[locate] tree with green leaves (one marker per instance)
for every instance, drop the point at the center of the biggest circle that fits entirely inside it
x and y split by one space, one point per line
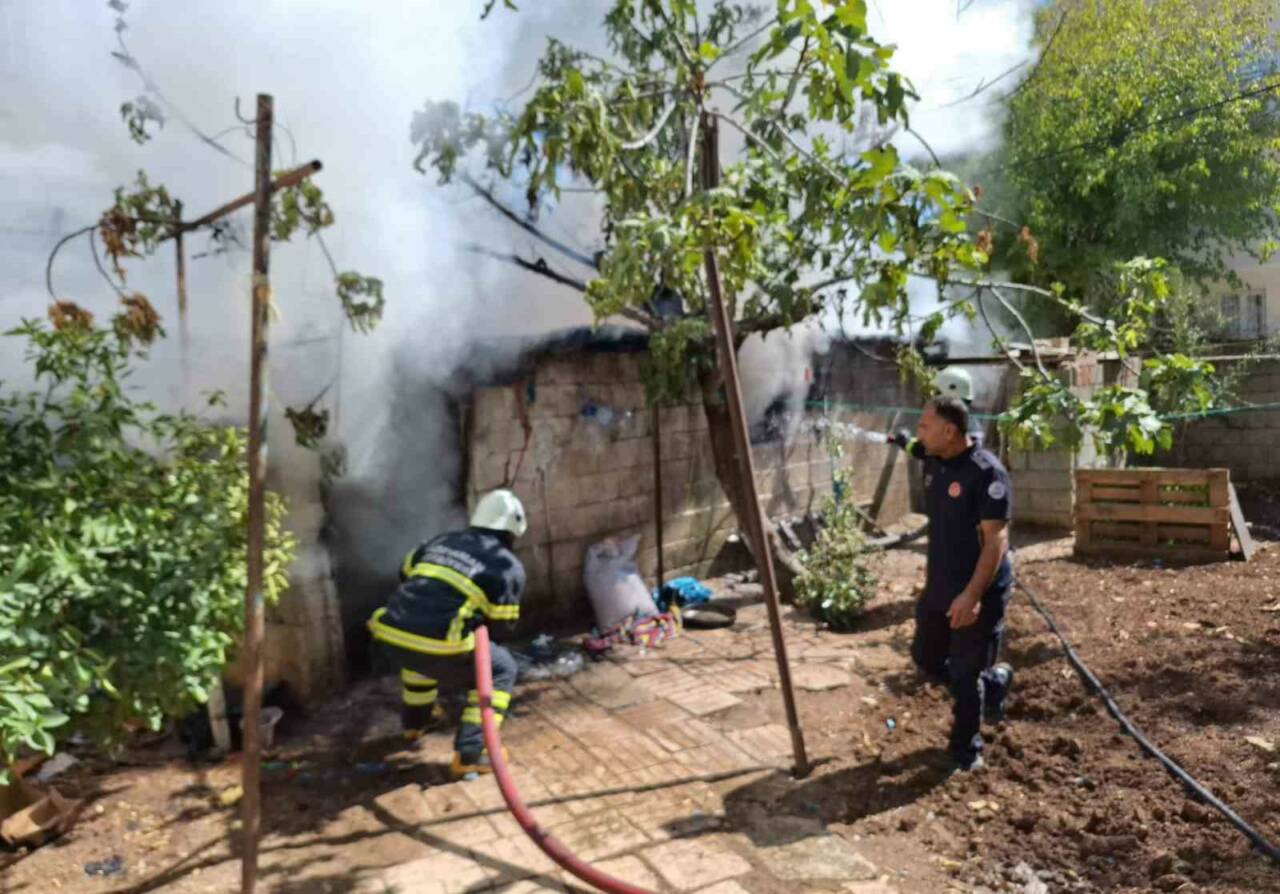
122 541
815 211
1144 129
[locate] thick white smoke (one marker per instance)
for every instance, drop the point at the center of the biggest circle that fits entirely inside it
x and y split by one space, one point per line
346 78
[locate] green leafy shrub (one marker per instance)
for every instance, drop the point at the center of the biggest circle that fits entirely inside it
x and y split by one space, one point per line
122 543
837 581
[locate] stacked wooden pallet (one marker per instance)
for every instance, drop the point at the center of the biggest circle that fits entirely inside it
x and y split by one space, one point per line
1180 515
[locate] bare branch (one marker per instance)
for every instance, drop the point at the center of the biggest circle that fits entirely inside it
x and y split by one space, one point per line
1043 55
746 40
997 218
679 38
983 86
982 310
795 79
653 133
519 221
783 132
937 162
97 262
759 143
1031 339
48 267
539 266
324 248
1035 290
152 87
688 162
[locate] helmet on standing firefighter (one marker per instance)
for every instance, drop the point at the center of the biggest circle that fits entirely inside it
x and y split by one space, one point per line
954 382
500 510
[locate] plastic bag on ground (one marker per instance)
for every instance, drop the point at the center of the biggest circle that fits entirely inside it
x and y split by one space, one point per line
613 582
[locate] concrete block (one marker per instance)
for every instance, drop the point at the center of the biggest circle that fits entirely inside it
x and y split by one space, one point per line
568 524
492 406
567 554
555 400
581 460
488 470
686 525
1041 481
623 395
558 371
1052 502
563 491
1050 460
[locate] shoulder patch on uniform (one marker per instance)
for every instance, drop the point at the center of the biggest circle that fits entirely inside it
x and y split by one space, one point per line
997 490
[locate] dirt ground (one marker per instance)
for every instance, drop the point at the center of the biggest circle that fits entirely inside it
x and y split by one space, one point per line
1067 802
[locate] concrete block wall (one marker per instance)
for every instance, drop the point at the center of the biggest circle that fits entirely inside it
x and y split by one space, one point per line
1244 442
303 639
1044 489
582 481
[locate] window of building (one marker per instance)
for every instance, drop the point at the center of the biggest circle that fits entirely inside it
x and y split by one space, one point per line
1244 316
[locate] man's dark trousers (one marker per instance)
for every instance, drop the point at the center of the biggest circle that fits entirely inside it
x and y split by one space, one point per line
963 658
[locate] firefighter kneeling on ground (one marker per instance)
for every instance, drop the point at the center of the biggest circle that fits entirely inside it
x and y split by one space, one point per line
449 586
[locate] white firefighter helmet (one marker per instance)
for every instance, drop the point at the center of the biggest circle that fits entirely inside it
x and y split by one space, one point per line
500 510
954 382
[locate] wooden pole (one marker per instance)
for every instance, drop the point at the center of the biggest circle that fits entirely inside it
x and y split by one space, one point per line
657 489
742 447
284 181
184 328
253 618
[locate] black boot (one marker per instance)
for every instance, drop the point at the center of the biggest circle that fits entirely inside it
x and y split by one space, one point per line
996 683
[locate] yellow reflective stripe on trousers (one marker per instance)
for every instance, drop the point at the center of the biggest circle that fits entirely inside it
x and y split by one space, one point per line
501 700
468 588
415 678
417 699
412 642
472 716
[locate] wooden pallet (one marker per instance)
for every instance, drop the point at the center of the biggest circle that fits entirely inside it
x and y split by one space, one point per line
1180 515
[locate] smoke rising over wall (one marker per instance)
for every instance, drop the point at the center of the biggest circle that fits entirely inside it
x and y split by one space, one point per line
346 80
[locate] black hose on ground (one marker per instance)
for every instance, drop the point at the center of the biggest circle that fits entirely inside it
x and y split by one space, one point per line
1191 785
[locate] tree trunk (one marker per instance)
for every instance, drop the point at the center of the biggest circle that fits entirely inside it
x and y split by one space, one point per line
786 566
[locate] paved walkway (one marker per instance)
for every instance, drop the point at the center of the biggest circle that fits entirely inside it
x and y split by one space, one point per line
629 764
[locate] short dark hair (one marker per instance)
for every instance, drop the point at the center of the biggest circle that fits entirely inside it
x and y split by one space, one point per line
952 410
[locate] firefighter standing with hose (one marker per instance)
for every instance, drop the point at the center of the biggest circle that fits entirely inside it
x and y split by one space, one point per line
449 586
959 620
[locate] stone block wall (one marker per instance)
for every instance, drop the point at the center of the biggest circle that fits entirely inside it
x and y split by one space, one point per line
1244 442
303 637
576 439
1044 489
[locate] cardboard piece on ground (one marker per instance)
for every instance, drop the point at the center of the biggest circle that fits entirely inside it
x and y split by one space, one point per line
1247 546
29 817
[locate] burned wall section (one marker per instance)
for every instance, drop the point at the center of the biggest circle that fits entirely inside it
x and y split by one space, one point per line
573 436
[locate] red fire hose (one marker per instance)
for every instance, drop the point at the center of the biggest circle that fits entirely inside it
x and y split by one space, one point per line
550 846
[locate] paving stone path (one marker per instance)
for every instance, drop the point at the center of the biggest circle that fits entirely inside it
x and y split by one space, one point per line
628 765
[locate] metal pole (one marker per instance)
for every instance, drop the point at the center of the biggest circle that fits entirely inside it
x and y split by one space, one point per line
742 447
657 489
253 619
